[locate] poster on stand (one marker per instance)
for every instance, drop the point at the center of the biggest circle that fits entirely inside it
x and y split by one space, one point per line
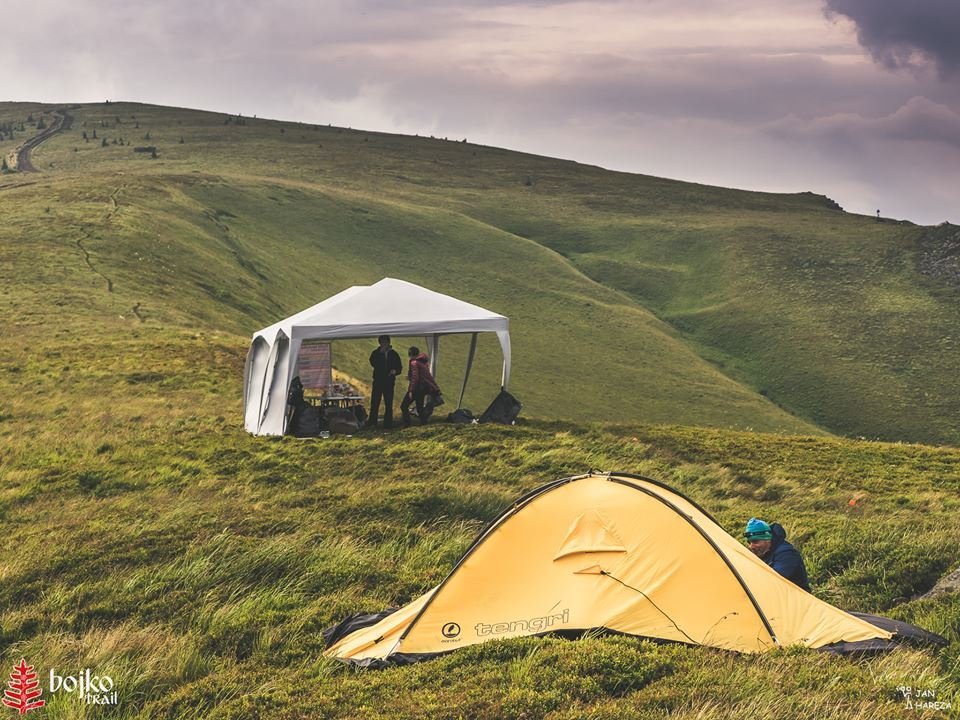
315 368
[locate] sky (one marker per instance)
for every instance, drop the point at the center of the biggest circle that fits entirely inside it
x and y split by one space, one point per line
858 100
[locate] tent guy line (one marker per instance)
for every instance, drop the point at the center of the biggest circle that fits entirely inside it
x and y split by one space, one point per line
650 600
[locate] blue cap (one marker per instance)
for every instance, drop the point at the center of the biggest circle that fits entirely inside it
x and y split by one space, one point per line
758 530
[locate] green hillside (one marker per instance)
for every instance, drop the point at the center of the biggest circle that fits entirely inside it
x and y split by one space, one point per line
713 339
686 303
240 225
144 535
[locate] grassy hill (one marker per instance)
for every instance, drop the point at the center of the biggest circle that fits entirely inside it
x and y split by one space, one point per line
645 299
144 535
243 224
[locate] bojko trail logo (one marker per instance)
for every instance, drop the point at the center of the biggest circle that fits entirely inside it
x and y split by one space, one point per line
93 689
23 689
23 692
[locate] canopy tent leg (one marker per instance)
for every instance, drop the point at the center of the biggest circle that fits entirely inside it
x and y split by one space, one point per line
433 349
466 373
504 337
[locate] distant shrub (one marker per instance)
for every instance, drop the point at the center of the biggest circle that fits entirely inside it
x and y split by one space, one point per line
89 479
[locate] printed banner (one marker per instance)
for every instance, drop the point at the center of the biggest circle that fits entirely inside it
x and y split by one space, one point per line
315 373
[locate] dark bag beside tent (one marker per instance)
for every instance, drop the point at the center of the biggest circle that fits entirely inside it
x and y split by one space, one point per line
295 396
361 414
342 421
504 409
306 420
461 416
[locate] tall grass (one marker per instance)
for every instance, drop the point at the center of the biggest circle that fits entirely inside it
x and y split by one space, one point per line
144 535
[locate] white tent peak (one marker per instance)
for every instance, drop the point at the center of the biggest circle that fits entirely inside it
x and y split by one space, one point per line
387 307
406 307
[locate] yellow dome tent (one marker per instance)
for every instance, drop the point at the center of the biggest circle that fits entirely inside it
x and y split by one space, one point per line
604 551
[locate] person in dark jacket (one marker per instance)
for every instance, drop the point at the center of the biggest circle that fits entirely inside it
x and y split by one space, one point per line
420 383
769 543
386 365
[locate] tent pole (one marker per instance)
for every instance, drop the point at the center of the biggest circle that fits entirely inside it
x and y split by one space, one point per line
433 348
466 373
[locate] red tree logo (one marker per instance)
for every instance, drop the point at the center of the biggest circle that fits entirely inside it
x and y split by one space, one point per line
23 690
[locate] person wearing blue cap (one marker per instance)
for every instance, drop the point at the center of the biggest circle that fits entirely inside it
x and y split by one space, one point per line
769 543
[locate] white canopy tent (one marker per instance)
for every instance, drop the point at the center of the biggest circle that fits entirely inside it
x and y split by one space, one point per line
389 307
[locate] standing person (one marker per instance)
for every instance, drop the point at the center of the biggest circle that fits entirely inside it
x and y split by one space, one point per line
420 383
769 543
386 365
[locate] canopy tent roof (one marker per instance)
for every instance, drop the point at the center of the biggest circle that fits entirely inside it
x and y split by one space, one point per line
615 552
388 307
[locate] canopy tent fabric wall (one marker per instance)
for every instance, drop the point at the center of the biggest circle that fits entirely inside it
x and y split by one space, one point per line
606 551
388 307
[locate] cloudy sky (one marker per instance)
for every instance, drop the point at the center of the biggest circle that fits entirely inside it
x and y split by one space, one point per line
855 99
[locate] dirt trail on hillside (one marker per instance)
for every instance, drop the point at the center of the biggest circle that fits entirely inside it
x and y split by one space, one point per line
62 120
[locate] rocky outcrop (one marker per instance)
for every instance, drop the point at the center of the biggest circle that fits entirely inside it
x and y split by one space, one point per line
938 254
947 585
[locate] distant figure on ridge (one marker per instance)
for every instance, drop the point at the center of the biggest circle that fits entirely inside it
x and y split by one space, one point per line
769 543
421 382
386 365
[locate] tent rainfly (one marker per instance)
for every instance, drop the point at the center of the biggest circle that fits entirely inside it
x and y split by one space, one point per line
389 307
615 552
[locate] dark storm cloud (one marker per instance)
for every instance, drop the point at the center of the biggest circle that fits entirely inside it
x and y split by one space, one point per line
906 33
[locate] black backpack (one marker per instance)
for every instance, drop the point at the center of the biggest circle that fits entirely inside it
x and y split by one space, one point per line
504 409
295 396
461 416
306 420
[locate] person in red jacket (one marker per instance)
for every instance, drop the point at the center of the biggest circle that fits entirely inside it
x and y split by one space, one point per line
420 383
